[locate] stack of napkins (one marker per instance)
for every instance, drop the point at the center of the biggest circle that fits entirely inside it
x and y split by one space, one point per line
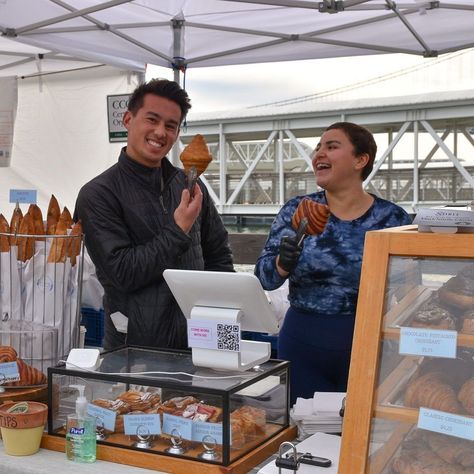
318 414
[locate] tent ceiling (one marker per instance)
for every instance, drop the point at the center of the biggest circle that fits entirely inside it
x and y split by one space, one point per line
22 60
192 33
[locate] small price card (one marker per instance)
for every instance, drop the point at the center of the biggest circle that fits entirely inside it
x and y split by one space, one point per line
446 423
9 372
104 417
202 428
183 426
23 196
132 423
428 342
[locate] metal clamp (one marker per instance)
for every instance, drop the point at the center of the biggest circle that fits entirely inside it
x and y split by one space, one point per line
290 461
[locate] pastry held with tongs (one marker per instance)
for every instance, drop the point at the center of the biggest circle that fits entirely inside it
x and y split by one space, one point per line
316 213
195 158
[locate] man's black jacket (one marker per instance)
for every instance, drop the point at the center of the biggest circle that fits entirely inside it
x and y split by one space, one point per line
127 217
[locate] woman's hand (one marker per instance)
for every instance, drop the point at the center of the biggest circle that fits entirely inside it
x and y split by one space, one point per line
288 257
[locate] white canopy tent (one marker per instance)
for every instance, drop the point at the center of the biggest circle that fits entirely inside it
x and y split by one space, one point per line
22 60
190 33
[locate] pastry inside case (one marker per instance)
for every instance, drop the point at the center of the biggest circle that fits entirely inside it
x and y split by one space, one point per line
159 402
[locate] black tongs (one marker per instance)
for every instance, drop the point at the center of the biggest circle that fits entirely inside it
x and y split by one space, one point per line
301 231
192 180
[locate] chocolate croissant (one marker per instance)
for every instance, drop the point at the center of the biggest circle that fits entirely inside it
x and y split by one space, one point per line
196 154
316 213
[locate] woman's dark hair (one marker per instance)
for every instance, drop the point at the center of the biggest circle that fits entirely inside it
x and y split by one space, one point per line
362 140
162 88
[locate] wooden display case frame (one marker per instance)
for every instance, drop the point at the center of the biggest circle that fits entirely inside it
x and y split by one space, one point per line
369 332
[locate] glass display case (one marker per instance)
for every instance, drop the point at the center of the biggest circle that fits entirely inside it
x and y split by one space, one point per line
157 401
414 346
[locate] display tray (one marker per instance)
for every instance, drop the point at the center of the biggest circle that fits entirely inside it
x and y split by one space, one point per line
31 394
176 465
403 314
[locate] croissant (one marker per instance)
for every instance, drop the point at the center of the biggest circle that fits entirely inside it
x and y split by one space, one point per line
52 216
4 240
15 222
466 396
431 391
7 354
28 374
26 245
316 213
196 154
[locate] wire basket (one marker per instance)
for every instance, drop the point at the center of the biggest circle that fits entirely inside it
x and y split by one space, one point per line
40 285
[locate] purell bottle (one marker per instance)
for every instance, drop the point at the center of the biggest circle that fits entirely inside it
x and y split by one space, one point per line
80 431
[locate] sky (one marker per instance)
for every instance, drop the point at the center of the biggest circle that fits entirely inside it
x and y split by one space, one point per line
231 87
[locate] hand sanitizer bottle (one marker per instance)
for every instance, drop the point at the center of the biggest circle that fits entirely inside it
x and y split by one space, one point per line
80 431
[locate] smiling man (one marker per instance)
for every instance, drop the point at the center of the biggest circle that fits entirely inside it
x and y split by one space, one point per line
139 219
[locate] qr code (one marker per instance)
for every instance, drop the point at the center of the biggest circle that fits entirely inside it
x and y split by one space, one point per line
228 337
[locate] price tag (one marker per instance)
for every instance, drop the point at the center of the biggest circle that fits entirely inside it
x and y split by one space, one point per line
9 372
132 422
184 426
446 423
105 418
23 196
203 428
428 342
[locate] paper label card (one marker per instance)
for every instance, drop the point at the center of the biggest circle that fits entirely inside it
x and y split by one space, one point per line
23 196
146 423
445 216
214 335
202 428
446 423
428 342
184 426
9 372
104 417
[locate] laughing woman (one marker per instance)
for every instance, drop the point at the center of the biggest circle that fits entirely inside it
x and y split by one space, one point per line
324 270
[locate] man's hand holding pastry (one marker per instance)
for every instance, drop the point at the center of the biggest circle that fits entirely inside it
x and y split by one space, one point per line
189 208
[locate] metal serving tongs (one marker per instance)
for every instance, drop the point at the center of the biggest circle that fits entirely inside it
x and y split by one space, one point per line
192 180
301 231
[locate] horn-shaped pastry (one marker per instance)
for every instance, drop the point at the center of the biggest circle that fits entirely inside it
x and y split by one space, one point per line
196 154
316 213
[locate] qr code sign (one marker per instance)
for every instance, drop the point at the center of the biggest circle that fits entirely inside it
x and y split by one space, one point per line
228 337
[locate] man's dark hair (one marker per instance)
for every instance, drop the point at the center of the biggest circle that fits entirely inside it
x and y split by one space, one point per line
162 88
362 140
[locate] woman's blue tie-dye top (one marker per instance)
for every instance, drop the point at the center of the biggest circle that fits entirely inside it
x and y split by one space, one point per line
326 279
